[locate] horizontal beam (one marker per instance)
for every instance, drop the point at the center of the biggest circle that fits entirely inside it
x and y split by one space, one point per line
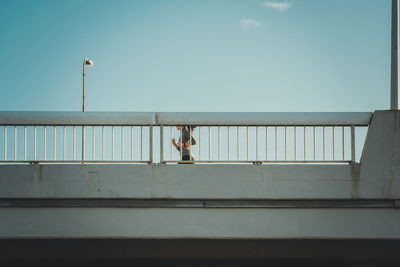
76 118
186 118
221 223
265 118
199 203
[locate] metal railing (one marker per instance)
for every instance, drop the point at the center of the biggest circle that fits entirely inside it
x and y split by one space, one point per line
266 144
68 137
97 137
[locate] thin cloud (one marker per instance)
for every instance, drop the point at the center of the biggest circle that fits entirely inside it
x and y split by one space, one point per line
249 23
281 6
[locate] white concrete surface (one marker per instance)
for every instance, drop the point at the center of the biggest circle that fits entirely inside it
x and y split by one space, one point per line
199 222
185 181
380 160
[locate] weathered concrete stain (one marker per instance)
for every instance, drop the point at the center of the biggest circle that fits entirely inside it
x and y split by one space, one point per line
355 180
37 171
394 175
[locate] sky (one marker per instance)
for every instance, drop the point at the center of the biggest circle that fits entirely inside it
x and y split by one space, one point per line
195 56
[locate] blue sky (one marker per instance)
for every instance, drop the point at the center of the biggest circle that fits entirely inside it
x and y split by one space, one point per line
297 55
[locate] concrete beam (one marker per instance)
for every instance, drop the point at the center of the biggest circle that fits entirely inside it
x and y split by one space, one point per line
234 223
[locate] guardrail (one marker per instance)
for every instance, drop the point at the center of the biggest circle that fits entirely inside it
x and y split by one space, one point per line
115 137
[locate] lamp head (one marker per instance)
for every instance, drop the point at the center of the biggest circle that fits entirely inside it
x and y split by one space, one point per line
88 62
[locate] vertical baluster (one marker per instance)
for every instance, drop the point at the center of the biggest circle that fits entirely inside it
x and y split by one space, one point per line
93 143
285 143
112 142
209 143
83 143
141 143
132 143
199 143
161 144
314 143
295 142
102 142
276 143
44 143
73 142
54 142
170 142
190 142
219 148
5 142
256 143
180 145
151 144
343 143
122 143
237 143
64 143
34 143
24 143
15 143
304 143
323 143
266 143
247 143
228 144
333 142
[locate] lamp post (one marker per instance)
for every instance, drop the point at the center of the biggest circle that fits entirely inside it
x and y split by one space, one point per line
394 82
87 62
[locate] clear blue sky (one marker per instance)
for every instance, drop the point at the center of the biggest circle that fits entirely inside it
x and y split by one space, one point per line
295 55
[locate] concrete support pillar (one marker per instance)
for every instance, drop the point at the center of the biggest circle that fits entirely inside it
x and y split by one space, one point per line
380 160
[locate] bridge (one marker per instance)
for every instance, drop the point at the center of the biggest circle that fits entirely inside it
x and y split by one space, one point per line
110 185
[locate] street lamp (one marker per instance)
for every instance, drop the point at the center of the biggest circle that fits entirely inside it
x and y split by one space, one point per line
87 62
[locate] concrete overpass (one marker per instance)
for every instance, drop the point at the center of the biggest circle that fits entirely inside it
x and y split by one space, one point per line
305 209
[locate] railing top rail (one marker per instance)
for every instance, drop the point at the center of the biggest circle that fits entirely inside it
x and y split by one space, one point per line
186 118
76 118
265 118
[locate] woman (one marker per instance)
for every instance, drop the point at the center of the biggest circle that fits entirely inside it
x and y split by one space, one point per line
186 140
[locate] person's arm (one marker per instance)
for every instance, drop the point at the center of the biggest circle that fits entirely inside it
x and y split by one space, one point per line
174 143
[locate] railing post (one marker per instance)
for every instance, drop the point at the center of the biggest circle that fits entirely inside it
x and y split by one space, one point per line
5 142
83 143
161 144
151 144
353 145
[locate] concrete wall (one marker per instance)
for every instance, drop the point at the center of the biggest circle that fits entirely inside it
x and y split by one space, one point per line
183 181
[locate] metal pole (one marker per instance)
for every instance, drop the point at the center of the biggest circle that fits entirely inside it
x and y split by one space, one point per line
83 110
353 144
394 86
83 87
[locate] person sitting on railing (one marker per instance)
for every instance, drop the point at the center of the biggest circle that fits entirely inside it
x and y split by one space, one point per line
186 140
